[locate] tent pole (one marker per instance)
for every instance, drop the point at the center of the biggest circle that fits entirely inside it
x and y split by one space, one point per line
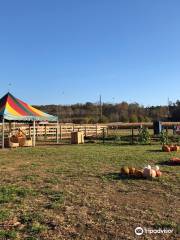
57 133
3 133
34 133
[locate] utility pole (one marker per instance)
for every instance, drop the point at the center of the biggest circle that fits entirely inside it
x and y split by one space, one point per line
57 111
168 108
100 105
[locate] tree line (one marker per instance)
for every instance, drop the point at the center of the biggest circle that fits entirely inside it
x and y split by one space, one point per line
108 112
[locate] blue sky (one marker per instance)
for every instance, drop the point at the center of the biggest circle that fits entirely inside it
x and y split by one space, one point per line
69 51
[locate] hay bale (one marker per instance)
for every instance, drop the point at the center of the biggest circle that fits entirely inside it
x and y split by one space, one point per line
28 143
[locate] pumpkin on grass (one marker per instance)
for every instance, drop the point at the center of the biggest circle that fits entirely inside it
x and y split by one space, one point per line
125 170
176 148
166 148
132 170
158 173
138 173
175 160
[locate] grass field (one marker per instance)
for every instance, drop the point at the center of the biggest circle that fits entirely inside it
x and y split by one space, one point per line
75 192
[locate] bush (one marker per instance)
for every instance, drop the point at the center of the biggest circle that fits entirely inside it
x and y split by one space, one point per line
164 137
144 136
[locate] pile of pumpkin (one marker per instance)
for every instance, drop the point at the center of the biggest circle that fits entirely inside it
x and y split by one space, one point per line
170 148
148 172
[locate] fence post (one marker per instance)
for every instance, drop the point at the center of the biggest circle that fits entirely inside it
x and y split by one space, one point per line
60 132
96 130
107 130
132 136
103 135
57 133
85 131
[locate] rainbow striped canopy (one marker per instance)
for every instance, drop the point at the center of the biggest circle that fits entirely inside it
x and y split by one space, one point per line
12 108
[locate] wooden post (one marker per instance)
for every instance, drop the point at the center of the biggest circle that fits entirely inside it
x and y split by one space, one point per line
107 129
45 131
60 132
57 133
34 133
85 131
96 130
132 136
3 133
103 135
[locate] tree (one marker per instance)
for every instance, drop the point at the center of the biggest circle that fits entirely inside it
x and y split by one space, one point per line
133 118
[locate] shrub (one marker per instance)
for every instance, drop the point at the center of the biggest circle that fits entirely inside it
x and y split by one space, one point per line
164 137
144 136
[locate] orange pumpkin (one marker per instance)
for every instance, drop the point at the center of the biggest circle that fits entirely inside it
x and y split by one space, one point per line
175 160
166 148
138 173
172 148
158 173
132 170
176 148
125 170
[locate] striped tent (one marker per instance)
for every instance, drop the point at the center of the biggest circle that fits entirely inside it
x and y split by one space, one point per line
12 108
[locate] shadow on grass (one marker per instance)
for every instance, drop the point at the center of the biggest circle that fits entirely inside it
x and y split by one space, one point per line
118 176
118 144
154 150
168 163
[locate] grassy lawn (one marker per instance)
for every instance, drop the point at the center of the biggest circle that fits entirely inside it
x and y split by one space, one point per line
75 192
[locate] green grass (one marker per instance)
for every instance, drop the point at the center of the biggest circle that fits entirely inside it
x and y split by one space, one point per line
76 192
8 234
13 193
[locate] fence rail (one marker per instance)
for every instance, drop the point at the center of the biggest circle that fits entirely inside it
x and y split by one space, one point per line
140 124
63 131
51 131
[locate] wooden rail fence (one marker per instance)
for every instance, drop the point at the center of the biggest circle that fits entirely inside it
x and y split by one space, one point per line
63 131
54 131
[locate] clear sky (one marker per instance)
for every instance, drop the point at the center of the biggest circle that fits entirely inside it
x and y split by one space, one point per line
69 51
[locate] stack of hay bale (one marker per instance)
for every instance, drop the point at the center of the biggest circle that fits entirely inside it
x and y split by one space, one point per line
17 140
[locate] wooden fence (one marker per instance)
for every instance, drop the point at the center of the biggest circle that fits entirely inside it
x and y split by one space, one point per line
63 131
142 124
54 131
